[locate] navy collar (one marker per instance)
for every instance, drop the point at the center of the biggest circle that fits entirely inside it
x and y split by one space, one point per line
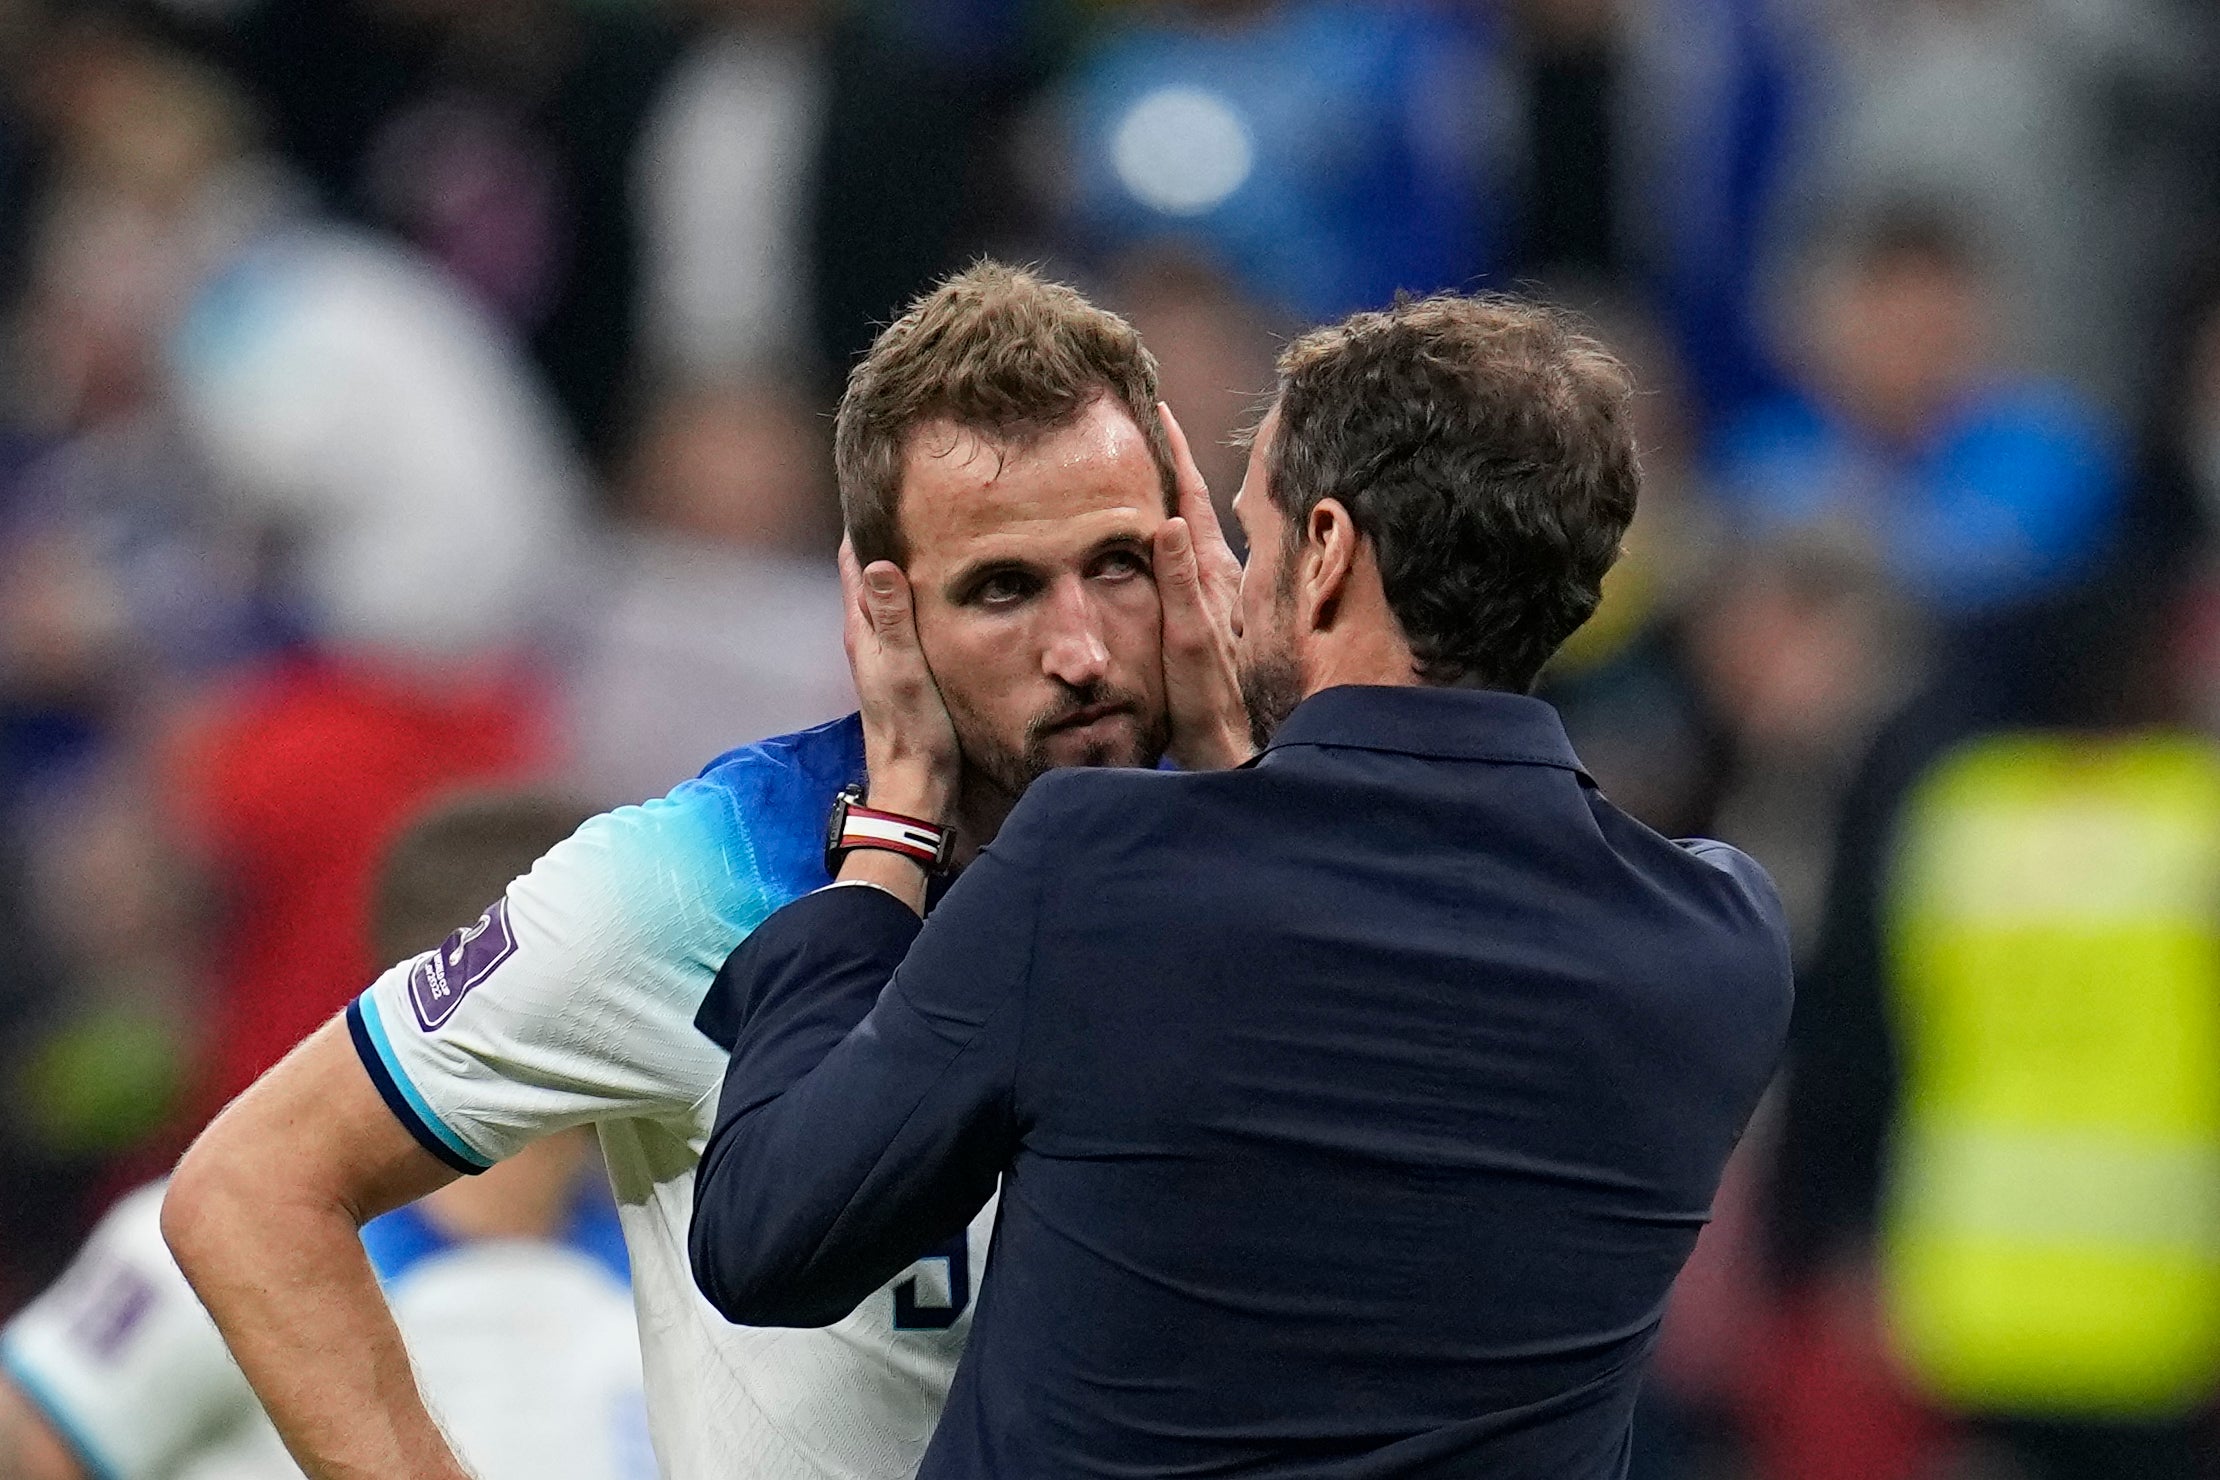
1447 724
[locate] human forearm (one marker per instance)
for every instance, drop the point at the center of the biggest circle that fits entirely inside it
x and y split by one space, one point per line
910 793
810 1202
264 1216
300 1307
836 1160
791 994
29 1447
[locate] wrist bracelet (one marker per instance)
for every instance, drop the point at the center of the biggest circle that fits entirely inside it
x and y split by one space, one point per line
854 825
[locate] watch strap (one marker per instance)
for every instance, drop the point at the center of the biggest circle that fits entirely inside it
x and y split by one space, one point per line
858 826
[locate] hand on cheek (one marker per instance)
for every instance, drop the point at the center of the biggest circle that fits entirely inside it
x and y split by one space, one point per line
909 743
1199 582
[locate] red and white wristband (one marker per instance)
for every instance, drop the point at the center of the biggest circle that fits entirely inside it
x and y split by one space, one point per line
853 825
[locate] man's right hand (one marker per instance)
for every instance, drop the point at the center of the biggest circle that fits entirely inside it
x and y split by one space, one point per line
265 1217
1198 579
909 742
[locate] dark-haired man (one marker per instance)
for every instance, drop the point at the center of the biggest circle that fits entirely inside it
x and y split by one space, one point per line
1002 443
1353 1110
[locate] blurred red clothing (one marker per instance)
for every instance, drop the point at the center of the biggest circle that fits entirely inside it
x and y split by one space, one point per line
291 784
1828 1401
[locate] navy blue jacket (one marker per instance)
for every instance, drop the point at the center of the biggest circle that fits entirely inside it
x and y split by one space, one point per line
1353 1110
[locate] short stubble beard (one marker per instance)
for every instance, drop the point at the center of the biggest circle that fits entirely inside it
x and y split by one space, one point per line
996 775
1271 681
1271 687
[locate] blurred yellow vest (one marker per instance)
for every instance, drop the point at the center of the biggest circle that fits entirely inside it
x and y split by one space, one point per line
2051 1229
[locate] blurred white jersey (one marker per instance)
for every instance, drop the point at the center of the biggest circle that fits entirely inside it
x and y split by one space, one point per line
525 1351
572 1001
355 403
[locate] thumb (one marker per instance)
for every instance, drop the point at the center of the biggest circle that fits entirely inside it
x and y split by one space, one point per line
1188 629
1178 577
887 596
1175 552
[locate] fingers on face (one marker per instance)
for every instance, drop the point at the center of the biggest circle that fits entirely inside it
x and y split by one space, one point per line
855 608
887 595
1184 471
1179 587
852 584
1175 556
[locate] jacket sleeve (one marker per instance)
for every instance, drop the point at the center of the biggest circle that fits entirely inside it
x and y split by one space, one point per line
866 1114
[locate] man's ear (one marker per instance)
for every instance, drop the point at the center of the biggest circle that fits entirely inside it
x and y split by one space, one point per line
1329 557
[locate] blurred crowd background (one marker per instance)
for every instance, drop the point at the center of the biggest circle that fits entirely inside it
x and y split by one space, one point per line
401 395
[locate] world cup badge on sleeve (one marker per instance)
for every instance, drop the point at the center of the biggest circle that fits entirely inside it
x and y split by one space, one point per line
440 979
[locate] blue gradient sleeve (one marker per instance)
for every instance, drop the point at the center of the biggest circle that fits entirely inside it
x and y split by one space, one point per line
572 999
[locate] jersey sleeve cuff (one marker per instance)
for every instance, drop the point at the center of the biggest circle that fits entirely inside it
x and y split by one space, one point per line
367 1028
49 1406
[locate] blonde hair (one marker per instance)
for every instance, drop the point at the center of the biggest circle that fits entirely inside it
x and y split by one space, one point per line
999 351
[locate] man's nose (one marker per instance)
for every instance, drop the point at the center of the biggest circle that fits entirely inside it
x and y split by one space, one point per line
1074 650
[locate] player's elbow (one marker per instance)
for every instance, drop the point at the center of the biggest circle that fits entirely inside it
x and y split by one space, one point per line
771 1301
725 1274
207 1210
238 1192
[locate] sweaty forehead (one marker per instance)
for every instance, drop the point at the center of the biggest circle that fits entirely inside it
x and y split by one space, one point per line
964 494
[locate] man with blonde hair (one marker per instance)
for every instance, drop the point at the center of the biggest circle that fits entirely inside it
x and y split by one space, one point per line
1006 471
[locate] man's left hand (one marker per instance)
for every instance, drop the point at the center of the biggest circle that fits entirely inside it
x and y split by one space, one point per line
1198 580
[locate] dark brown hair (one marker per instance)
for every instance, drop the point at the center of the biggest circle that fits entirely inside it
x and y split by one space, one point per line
996 350
455 860
1480 443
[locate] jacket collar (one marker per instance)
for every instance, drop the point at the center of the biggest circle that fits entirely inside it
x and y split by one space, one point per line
1447 724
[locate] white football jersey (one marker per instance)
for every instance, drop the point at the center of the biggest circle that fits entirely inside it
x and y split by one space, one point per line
526 1351
572 1001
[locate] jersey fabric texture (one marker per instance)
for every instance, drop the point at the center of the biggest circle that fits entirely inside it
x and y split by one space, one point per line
526 1351
572 1001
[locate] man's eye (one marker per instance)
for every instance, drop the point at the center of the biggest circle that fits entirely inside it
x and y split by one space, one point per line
1001 590
1121 565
